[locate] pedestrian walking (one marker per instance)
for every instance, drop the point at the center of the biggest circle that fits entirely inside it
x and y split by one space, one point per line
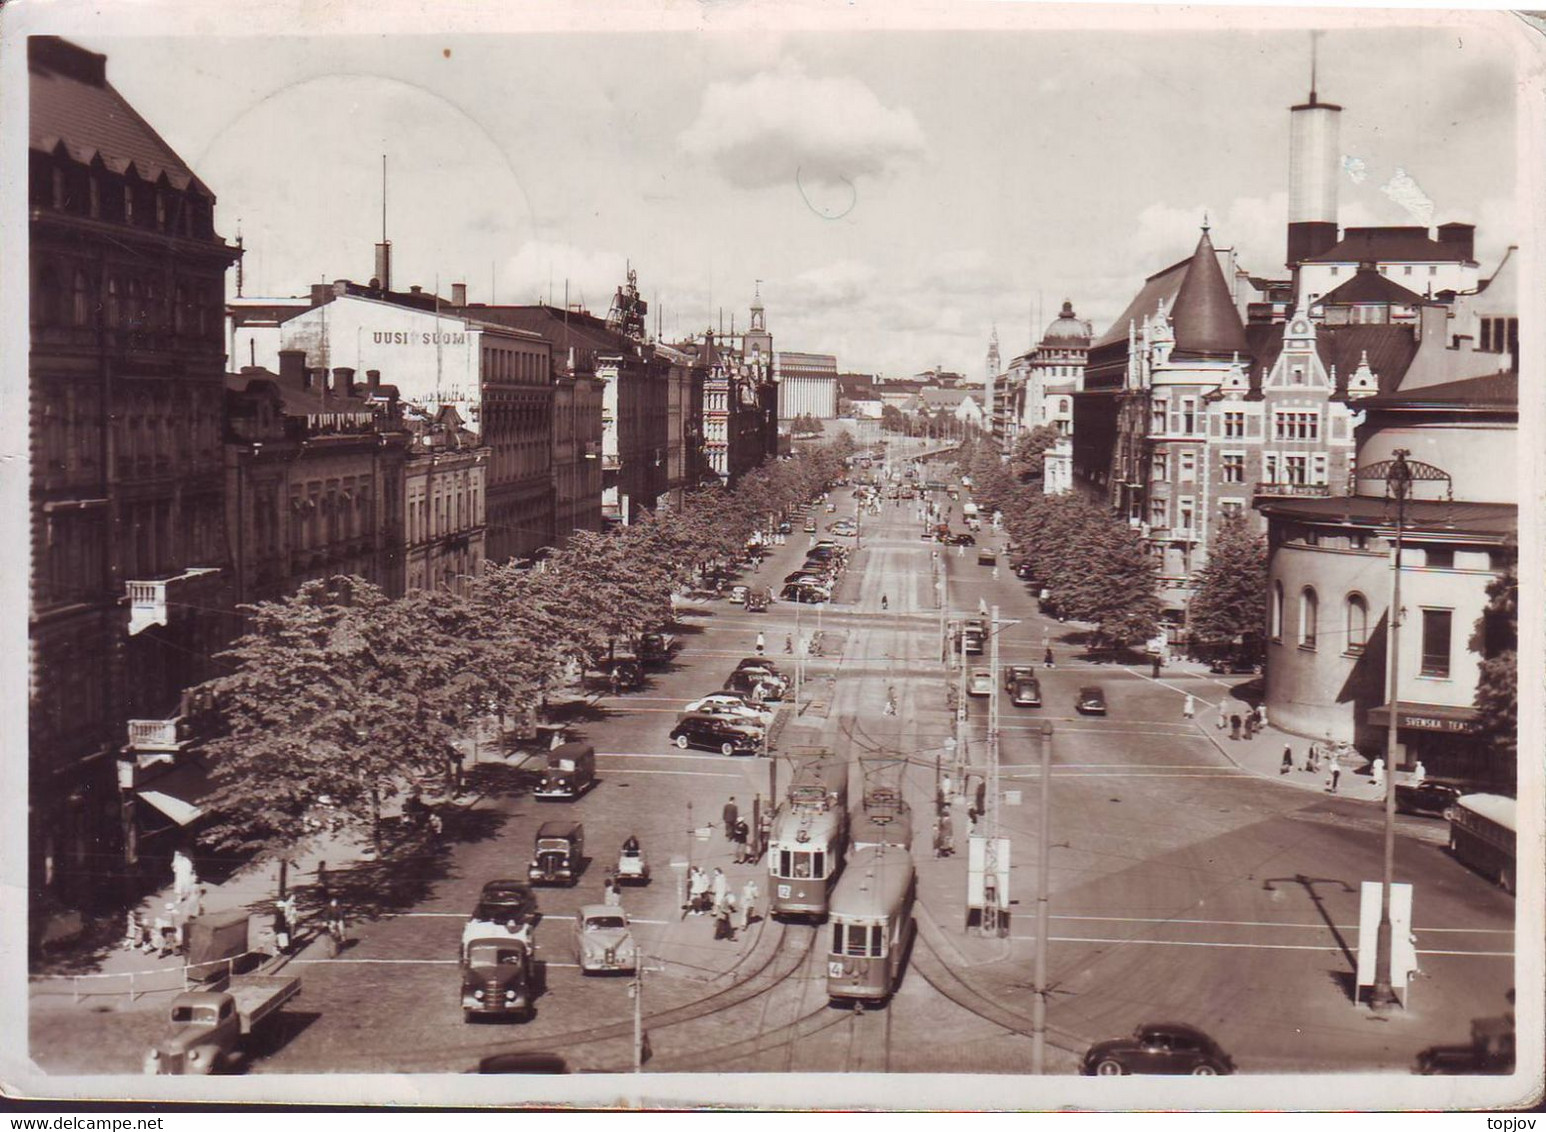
1261 717
1312 758
743 847
1234 727
1419 772
1336 774
324 894
1156 668
133 931
183 876
764 833
1377 773
1288 759
1223 718
1189 708
788 643
1047 659
719 887
1250 724
611 894
761 644
947 835
724 928
697 891
890 700
749 897
730 815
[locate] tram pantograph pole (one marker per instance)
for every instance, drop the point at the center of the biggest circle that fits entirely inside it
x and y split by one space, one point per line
1043 910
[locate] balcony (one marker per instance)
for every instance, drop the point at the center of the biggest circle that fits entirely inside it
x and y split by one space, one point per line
611 462
1294 490
148 599
156 736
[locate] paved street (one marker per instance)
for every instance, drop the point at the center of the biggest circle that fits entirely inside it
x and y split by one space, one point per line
1183 886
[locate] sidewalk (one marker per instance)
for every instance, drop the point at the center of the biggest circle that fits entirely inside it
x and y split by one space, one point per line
1261 755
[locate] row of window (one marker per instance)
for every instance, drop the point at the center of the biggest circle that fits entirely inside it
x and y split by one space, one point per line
1437 628
1277 467
101 195
135 303
514 365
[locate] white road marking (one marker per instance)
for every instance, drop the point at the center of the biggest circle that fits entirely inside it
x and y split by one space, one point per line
652 755
1252 946
1134 774
1261 923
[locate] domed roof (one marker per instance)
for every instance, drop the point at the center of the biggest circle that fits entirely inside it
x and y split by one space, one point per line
1066 329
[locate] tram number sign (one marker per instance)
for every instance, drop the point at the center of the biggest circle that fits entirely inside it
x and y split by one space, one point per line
783 891
835 969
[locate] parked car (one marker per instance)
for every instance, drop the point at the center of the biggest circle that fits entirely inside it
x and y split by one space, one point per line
1158 1047
658 648
758 601
759 662
986 557
625 671
1015 673
784 528
603 941
1026 693
1091 700
717 733
804 595
809 526
726 704
980 683
749 680
559 853
570 772
960 538
737 595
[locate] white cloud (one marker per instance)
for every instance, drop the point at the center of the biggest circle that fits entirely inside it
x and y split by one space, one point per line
783 124
591 276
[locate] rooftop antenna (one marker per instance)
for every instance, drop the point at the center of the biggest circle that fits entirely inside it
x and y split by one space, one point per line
1314 39
383 198
238 258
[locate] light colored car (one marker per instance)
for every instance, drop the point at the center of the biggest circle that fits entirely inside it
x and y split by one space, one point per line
980 683
603 940
722 703
737 595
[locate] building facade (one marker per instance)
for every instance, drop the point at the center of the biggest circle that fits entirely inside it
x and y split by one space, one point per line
445 485
1330 574
577 404
313 478
499 378
126 390
807 385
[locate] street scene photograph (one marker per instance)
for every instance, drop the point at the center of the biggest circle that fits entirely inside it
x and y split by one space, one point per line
704 558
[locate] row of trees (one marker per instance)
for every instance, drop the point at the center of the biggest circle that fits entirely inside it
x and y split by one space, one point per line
340 698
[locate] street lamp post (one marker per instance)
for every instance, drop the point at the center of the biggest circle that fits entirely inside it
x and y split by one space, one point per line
1398 474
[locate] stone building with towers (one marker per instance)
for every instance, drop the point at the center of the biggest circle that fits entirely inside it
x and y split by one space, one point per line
1217 391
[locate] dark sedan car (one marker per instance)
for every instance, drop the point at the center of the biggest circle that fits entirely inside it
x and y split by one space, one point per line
716 733
960 538
1026 693
1433 795
504 900
1158 1047
1091 701
802 595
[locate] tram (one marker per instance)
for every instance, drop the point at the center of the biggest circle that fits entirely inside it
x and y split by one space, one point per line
883 818
870 927
810 831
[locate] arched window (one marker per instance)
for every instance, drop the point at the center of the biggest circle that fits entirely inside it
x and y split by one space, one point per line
1357 623
1277 611
1309 614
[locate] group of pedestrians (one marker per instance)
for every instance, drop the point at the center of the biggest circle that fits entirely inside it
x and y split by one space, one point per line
710 895
166 931
1255 720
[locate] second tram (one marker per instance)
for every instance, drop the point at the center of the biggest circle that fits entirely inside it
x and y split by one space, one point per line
870 927
883 818
1482 833
810 831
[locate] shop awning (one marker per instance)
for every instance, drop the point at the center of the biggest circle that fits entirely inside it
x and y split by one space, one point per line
1444 718
178 792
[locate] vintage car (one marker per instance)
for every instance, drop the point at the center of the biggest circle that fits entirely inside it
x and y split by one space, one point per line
559 853
504 902
1026 692
980 683
751 680
1433 796
737 595
1014 673
718 733
208 1030
731 704
498 977
632 865
625 672
758 600
1091 700
570 772
802 594
603 941
987 557
1158 1047
809 526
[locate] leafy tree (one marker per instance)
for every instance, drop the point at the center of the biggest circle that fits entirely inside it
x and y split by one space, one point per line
1030 447
1230 599
1496 638
892 419
339 698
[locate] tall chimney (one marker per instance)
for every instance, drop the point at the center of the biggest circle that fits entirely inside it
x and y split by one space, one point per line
1462 237
384 264
372 381
1314 159
292 367
316 380
321 293
458 294
343 381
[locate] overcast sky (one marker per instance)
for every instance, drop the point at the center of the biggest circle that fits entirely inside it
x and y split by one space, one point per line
898 193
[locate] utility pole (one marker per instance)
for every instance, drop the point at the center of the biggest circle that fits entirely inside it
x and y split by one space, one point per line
637 993
990 819
1043 916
